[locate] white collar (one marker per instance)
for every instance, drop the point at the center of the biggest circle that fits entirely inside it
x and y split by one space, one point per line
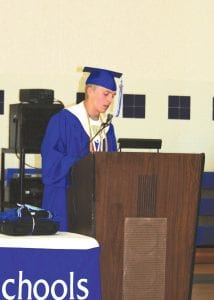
80 112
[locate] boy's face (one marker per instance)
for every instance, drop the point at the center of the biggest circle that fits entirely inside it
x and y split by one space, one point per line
101 98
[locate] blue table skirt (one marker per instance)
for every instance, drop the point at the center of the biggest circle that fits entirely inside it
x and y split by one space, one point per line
28 273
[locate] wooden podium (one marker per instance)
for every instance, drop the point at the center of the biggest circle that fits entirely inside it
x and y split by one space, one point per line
109 187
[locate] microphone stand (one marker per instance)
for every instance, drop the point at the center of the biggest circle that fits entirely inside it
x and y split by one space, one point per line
103 126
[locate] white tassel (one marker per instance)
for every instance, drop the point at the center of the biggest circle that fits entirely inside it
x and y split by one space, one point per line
120 99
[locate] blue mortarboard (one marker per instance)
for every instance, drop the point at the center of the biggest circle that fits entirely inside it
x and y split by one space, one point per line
102 77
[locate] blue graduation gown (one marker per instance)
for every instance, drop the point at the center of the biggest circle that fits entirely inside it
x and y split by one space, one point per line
65 142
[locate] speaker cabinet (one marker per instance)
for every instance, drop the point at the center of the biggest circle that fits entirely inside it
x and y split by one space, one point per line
27 125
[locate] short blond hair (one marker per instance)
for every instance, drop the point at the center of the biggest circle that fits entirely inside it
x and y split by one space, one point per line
93 86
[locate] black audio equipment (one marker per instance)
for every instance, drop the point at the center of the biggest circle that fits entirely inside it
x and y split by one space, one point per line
27 125
80 97
42 96
1 102
32 191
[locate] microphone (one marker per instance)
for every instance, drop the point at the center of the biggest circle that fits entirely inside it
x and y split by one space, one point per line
103 125
109 118
107 122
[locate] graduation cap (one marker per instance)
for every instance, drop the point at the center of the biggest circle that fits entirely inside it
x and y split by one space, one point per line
102 77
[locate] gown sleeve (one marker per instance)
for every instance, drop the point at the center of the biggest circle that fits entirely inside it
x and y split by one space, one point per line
62 147
112 143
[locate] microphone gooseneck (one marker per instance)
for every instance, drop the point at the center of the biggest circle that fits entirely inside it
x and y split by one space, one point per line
103 125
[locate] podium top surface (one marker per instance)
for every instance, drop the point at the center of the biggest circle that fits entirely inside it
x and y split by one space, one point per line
60 240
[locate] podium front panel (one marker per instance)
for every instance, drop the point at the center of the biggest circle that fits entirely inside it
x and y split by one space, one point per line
114 186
